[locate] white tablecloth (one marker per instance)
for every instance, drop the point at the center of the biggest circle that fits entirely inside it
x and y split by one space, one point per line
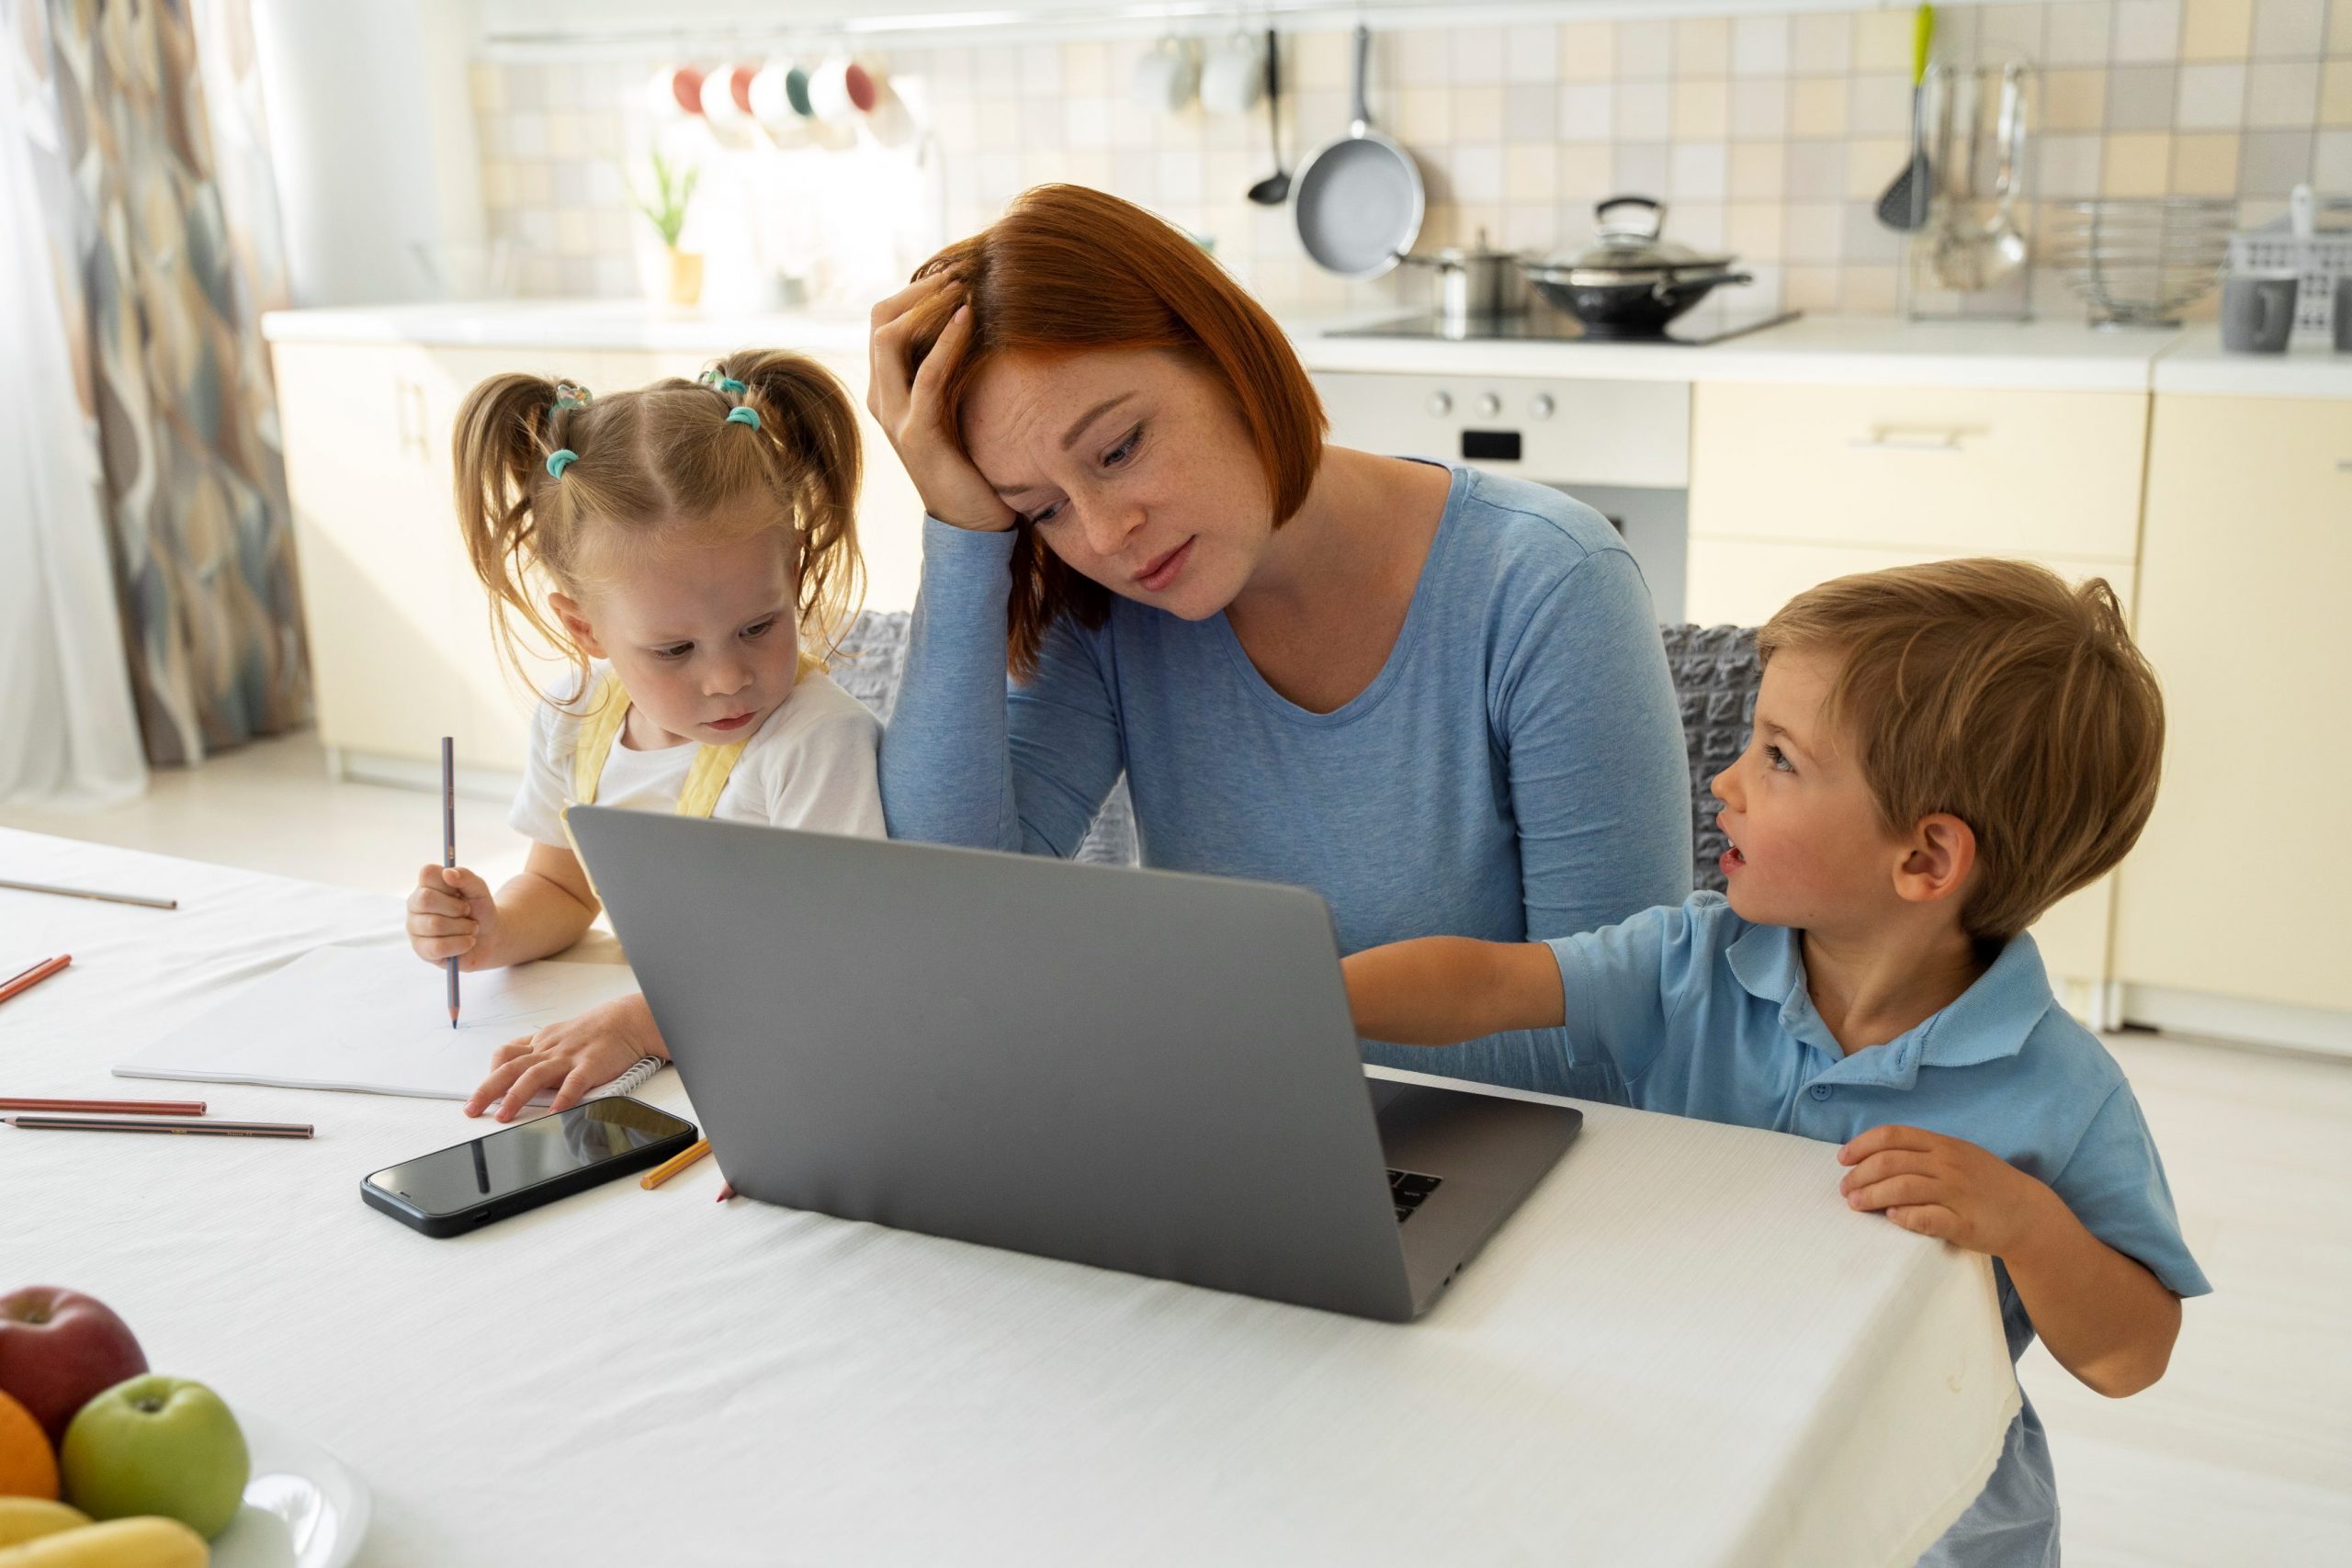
1684 1349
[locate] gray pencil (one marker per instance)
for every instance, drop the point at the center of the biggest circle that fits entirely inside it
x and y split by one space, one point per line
450 845
138 899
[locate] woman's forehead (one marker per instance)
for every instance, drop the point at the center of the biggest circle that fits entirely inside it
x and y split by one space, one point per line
1018 389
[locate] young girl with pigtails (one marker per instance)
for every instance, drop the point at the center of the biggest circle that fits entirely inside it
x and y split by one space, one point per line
695 542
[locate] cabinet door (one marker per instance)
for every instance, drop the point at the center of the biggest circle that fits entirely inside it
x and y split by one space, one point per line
365 471
1968 471
2243 572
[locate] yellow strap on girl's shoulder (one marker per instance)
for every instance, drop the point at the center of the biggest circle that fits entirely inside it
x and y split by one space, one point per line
707 777
599 728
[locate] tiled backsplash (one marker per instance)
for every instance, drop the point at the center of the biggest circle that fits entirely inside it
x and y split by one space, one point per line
1770 136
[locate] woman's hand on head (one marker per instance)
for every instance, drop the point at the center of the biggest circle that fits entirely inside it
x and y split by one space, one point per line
570 1057
907 406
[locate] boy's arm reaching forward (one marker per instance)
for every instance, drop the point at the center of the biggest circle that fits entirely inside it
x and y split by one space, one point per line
2106 1317
1441 990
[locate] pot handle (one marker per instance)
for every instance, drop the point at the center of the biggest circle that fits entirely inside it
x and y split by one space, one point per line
1656 219
1699 282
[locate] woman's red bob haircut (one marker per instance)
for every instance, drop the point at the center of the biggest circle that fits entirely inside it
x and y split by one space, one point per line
1068 269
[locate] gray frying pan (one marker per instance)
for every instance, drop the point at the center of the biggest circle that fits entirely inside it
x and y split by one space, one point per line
1357 201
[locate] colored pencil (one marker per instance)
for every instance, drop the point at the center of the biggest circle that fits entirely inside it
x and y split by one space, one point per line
136 1124
674 1164
139 898
24 980
109 1107
450 845
726 1190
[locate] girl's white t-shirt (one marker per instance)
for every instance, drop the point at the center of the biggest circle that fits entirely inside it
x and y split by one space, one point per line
810 765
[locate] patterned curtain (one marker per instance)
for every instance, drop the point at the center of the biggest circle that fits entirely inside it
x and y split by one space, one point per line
162 318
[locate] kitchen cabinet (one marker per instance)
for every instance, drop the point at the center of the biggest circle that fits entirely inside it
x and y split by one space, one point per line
1793 485
2245 561
402 645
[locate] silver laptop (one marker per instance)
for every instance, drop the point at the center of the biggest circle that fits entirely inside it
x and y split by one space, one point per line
1137 1070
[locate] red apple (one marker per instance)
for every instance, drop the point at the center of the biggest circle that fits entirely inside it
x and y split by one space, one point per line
58 1349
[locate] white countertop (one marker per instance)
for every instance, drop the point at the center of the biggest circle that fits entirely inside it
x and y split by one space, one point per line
568 324
2199 364
1875 351
1848 351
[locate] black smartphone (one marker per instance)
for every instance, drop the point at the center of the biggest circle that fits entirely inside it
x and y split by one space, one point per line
466 1185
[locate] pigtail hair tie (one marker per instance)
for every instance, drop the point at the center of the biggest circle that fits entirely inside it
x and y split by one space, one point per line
724 382
744 415
560 459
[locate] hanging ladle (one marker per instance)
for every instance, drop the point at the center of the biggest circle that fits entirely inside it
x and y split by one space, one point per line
1274 189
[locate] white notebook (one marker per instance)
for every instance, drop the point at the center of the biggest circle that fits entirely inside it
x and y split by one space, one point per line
376 1021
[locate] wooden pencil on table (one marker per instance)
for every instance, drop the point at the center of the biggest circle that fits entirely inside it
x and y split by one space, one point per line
24 980
106 1107
140 1124
450 845
674 1164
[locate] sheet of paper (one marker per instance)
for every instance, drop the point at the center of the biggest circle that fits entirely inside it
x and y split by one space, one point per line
373 1019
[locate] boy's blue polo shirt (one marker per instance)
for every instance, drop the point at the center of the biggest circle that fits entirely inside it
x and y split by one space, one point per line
1707 1015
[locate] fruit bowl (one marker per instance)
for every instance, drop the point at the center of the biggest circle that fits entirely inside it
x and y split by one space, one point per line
304 1507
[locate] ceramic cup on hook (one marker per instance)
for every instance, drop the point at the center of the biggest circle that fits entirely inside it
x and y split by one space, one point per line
1233 77
832 101
674 94
1166 78
829 97
785 126
726 99
888 120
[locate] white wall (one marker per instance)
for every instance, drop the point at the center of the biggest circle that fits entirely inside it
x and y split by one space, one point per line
372 136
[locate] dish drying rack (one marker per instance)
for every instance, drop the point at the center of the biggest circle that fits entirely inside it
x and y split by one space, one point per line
2303 242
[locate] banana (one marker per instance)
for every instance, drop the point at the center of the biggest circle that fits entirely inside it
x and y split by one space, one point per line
26 1518
148 1541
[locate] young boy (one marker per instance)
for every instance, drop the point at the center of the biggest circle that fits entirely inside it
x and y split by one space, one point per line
1940 752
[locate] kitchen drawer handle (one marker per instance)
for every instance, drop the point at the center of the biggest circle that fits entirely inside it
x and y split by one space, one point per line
1890 438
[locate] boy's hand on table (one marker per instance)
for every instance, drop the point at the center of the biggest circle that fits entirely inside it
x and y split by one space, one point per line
570 1057
451 914
1945 1187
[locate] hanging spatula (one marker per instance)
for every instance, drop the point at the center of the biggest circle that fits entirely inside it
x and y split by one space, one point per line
1903 207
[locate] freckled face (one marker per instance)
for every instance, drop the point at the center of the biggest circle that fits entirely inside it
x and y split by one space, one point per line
1133 467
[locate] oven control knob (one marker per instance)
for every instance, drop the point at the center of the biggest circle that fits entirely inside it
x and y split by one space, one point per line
1440 403
1490 405
1541 405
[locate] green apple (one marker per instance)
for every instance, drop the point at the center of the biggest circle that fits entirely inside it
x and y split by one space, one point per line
156 1445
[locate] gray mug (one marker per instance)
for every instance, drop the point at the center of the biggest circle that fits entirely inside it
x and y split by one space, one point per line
2344 314
2258 311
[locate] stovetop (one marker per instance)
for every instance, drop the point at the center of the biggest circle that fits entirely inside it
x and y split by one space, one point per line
1547 325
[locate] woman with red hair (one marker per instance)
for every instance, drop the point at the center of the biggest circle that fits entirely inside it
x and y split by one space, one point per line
1434 696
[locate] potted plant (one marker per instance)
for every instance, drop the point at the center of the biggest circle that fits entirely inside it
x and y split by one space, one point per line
666 208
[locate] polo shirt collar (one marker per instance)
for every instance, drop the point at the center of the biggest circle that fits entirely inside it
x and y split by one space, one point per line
1988 1020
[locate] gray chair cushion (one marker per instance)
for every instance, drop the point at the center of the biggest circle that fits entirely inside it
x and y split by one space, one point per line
1714 670
1715 673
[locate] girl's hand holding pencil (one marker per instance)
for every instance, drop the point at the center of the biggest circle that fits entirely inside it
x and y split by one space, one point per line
570 1057
451 914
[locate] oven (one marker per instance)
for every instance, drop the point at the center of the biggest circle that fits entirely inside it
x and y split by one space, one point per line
1620 446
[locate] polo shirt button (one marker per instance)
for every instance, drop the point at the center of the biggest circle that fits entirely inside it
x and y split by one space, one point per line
1821 1092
